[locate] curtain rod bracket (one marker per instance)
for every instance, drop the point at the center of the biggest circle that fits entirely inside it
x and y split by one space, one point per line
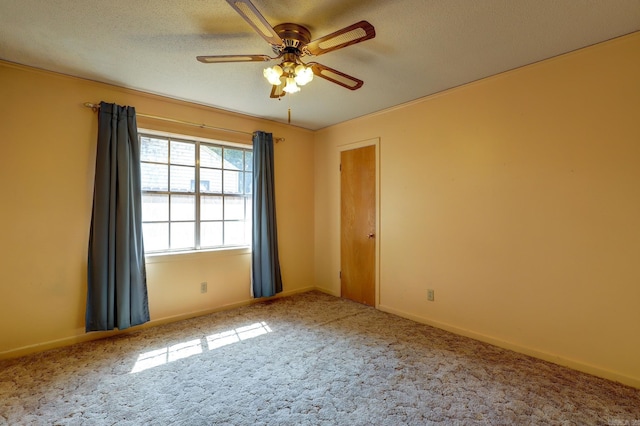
96 107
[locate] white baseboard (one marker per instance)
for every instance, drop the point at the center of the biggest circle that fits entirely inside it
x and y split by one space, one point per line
327 291
566 362
576 365
86 337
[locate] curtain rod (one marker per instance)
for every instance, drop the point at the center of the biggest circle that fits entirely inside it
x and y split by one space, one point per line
96 107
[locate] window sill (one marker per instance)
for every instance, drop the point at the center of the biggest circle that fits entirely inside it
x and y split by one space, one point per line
178 256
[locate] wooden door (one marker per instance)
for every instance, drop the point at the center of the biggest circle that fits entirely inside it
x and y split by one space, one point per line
358 224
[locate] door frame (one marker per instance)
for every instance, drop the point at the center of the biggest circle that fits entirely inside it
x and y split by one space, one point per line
346 147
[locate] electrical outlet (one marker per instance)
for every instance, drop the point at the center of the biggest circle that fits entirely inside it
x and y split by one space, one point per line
430 295
203 287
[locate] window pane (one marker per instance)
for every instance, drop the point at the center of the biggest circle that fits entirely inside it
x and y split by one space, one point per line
248 224
211 180
183 179
183 153
233 159
210 156
170 196
234 233
210 234
183 207
249 210
210 208
183 235
233 182
248 160
154 150
155 236
248 183
155 177
233 208
155 207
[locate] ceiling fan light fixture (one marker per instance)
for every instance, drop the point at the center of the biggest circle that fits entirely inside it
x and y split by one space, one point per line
303 75
273 74
291 86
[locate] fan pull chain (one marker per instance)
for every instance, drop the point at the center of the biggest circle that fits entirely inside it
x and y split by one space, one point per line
289 117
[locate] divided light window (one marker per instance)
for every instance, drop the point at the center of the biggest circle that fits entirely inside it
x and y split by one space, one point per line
195 195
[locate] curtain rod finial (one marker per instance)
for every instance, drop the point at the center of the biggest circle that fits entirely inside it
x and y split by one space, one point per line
94 107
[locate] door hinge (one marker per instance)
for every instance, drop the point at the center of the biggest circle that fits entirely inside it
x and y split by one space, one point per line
340 167
340 274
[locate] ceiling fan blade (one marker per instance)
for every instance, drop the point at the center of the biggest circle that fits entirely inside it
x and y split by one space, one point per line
277 92
336 76
250 14
216 59
352 34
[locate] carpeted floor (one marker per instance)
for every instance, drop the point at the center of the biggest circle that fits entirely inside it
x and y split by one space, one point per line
309 359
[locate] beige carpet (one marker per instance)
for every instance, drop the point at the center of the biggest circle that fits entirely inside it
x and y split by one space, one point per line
309 359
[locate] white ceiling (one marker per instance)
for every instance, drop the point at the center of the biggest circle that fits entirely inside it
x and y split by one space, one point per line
421 46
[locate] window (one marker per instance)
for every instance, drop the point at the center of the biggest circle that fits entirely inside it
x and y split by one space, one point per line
195 195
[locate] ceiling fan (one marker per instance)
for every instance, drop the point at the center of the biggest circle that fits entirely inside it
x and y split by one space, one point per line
290 42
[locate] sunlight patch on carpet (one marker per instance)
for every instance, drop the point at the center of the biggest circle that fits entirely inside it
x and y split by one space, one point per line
169 354
182 350
241 333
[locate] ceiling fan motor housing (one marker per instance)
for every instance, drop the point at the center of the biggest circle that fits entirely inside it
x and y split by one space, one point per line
294 36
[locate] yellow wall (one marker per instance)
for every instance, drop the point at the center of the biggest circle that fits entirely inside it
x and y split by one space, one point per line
47 163
517 199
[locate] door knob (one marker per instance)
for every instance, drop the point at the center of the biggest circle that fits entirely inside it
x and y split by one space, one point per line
371 235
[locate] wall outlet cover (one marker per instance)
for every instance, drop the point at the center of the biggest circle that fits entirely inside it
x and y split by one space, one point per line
430 295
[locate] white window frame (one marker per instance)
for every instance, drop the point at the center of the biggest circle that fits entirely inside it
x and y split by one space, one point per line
197 193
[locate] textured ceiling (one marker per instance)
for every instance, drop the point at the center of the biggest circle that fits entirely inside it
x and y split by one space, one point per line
421 46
